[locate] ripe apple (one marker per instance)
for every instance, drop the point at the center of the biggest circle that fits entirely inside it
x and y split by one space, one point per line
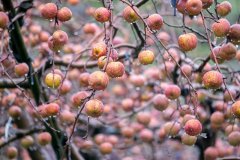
236 109
102 14
172 91
193 7
49 10
188 140
130 15
146 135
12 152
187 41
224 8
106 148
193 127
146 57
234 34
207 3
21 69
115 69
15 111
53 80
44 138
98 80
221 28
64 14
78 98
155 22
212 79
3 20
94 108
99 49
160 102
83 79
234 138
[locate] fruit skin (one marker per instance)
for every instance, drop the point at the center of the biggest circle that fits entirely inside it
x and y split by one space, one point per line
49 11
160 102
127 132
115 69
234 138
193 7
172 128
15 111
224 8
227 96
21 69
58 39
12 152
106 148
228 51
44 138
187 42
216 51
234 34
52 109
221 28
188 140
99 49
66 87
146 57
64 14
212 80
98 80
102 61
181 5
206 3
193 127
236 109
155 22
217 118
3 20
94 108
102 14
143 118
83 79
130 15
78 98
211 153
186 69
27 141
172 91
67 117
53 80
127 104
73 2
90 28
146 135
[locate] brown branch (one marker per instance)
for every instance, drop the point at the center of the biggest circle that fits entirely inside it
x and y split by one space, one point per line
6 83
21 134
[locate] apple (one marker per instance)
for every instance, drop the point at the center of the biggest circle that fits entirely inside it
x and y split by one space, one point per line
193 127
49 11
102 14
212 79
64 14
187 41
146 57
94 108
98 80
130 15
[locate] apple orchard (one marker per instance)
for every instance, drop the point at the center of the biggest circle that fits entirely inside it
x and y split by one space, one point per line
119 79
